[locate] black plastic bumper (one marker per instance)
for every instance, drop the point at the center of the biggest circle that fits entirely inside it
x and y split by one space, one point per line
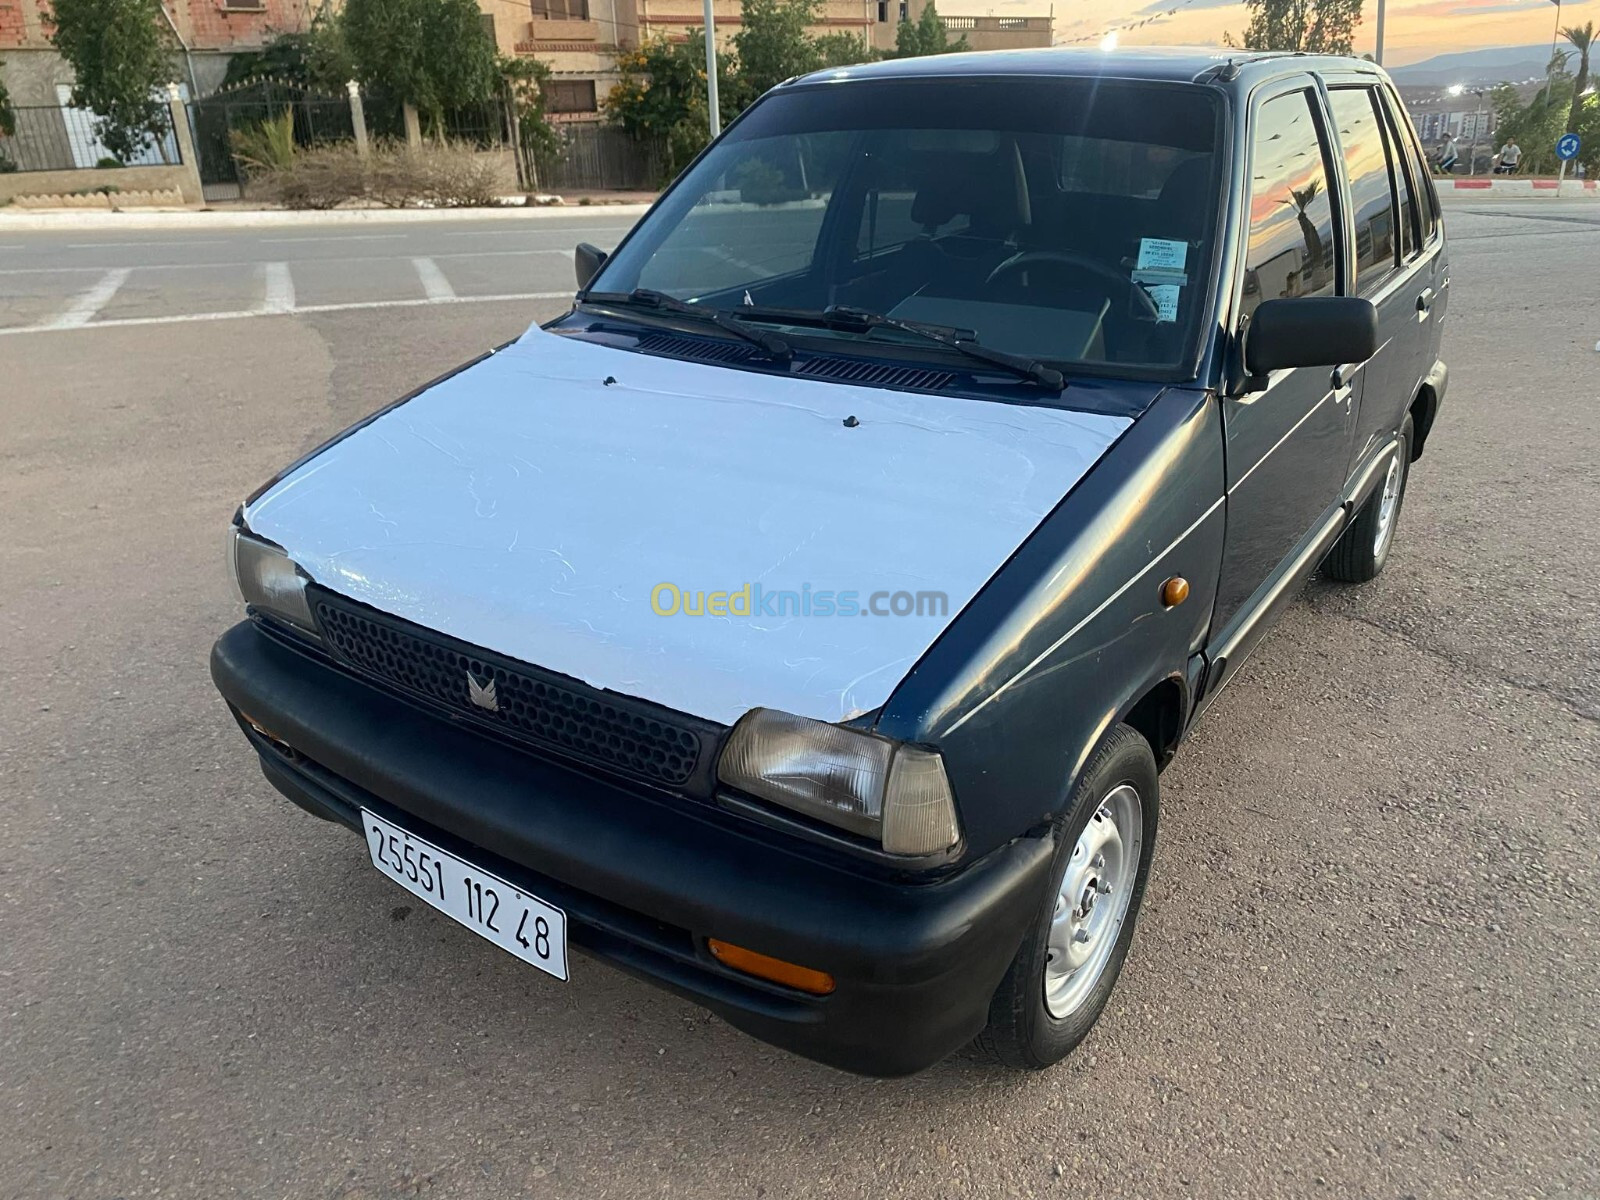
645 880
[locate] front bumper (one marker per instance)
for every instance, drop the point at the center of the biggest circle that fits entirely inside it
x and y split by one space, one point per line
646 878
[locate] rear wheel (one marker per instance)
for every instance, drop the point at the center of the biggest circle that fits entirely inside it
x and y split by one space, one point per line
1071 956
1363 548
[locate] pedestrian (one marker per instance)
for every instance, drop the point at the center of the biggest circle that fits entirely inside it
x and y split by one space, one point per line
1449 155
1510 155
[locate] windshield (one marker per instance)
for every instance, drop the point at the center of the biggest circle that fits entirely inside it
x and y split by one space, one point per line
1069 221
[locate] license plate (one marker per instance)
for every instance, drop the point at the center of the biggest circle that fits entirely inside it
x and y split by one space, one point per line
524 925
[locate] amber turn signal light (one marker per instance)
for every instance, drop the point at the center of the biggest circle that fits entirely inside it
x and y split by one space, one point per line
762 966
1174 591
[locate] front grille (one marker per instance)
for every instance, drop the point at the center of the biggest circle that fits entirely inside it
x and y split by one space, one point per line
528 704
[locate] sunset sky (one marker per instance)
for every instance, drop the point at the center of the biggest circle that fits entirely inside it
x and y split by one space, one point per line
1416 29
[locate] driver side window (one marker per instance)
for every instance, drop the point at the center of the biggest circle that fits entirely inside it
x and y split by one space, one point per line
1291 249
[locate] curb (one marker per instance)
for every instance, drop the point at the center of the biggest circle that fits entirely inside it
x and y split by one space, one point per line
1483 188
192 220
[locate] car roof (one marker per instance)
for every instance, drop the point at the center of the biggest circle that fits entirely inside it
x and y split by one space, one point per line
1178 64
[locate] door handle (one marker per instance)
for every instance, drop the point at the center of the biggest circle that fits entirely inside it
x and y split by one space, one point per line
1425 300
1343 374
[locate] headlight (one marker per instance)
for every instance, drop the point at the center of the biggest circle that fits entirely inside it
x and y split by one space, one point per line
268 579
867 784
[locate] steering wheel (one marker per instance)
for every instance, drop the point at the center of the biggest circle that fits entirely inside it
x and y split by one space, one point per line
1120 284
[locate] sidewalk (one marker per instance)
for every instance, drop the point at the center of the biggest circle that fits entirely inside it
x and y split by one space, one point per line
44 220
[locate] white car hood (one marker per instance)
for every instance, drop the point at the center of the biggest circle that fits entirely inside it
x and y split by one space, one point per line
532 503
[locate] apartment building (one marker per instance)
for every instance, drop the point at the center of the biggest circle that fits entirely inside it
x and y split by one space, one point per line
579 39
209 31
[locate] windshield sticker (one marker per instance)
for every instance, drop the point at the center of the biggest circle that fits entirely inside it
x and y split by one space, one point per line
1166 297
1162 254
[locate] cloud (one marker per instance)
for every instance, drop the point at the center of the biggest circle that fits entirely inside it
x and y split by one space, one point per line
1467 8
1162 6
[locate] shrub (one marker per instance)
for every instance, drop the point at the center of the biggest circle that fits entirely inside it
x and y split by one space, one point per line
319 178
449 175
267 145
107 163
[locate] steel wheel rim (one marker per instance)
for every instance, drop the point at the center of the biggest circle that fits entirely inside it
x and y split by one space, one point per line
1388 505
1092 902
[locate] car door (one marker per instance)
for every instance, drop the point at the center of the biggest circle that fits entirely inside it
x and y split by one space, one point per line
1288 441
1423 293
1389 267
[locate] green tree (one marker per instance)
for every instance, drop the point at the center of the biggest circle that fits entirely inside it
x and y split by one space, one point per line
774 44
925 35
843 50
434 54
1535 125
660 96
1582 39
121 55
1314 26
8 115
526 81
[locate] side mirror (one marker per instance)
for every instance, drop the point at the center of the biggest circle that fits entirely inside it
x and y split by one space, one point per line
1310 331
586 260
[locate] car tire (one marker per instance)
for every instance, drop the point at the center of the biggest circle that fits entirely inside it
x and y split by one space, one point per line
1044 1007
1363 548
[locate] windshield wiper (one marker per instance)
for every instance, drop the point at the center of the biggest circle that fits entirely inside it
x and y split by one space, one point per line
840 316
775 346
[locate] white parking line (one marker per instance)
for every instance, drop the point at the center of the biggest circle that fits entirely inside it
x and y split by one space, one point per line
278 292
138 245
337 237
249 262
83 309
242 314
434 285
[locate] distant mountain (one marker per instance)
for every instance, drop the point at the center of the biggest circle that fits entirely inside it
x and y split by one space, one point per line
1469 67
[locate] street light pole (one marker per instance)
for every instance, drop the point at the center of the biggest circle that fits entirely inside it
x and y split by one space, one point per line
1377 54
711 71
1550 69
1477 126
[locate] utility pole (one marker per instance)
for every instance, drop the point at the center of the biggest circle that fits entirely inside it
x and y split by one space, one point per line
1550 71
1377 54
1477 127
711 70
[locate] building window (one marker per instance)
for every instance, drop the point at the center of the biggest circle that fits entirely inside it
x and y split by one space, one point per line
560 10
570 96
883 11
902 10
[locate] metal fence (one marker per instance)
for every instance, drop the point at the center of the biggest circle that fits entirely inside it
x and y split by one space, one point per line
319 119
62 138
597 157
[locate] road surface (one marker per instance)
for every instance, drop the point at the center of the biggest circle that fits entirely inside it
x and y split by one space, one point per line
1369 961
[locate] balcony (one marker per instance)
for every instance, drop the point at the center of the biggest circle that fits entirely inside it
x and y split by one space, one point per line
960 25
558 24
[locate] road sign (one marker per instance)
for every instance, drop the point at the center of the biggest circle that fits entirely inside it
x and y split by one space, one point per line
1567 146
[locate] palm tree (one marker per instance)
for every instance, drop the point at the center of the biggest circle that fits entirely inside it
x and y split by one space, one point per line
1316 260
1582 39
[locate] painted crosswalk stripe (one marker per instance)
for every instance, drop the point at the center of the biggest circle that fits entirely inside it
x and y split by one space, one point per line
434 285
299 310
278 295
83 309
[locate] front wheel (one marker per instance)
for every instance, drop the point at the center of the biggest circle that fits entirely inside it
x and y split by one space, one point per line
1363 548
1063 974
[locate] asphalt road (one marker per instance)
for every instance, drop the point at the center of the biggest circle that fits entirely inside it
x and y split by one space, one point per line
1369 962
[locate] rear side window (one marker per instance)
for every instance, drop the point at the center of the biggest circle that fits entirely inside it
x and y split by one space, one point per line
1414 179
1361 137
1291 249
